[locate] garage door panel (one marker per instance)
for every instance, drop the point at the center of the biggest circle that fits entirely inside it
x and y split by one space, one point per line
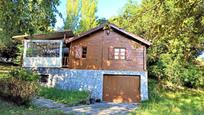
121 88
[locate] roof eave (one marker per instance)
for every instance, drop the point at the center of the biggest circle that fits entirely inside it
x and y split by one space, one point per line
133 36
49 36
145 42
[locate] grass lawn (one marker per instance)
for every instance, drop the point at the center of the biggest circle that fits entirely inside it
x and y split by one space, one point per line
10 109
5 69
64 96
186 102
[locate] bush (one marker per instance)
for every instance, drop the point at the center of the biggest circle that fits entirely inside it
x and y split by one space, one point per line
18 91
173 72
24 74
20 86
154 90
192 77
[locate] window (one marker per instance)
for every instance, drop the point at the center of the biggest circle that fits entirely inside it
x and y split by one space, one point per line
84 52
119 53
44 78
43 49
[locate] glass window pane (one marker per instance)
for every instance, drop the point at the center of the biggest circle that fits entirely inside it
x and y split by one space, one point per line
43 49
116 50
122 53
116 57
84 52
116 53
122 50
122 57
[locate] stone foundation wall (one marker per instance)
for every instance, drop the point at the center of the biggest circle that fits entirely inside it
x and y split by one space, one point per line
89 80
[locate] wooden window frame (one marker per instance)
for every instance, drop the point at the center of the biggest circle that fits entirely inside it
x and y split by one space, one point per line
120 53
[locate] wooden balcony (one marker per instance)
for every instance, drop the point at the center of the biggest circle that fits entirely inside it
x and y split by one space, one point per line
65 62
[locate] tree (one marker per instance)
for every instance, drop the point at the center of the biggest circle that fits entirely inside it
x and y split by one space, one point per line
25 17
81 15
73 14
175 29
102 21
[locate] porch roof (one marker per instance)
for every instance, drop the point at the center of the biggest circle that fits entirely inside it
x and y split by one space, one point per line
49 36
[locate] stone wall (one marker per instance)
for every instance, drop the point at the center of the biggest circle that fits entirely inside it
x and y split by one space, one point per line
89 80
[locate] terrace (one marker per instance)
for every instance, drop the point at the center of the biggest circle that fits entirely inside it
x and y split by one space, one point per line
45 50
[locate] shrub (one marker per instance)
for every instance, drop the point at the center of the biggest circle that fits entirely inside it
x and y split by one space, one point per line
24 74
173 72
192 77
154 90
20 86
18 91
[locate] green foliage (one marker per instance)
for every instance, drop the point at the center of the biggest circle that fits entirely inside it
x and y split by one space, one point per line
192 77
81 15
24 74
24 17
19 54
10 109
180 102
19 85
9 53
175 29
64 96
154 90
5 68
18 91
200 61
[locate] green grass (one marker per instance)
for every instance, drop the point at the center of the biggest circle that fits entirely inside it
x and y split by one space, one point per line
5 68
185 102
64 96
10 109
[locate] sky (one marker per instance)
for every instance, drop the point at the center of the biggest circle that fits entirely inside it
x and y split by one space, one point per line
105 9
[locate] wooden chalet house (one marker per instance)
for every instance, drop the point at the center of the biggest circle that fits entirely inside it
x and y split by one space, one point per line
107 61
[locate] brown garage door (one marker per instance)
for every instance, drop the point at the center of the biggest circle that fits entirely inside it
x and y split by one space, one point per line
121 88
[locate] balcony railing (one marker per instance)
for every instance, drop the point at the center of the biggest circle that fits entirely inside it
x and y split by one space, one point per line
65 62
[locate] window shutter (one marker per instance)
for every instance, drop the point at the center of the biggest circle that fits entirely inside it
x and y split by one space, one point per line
78 52
110 52
128 54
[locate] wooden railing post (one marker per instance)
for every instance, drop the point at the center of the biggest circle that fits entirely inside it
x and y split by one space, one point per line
65 62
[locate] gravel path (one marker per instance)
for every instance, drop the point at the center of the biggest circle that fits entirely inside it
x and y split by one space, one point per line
103 108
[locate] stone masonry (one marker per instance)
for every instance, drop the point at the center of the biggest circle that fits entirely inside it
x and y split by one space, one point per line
89 80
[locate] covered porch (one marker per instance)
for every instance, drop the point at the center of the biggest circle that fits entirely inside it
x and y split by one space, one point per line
45 53
45 50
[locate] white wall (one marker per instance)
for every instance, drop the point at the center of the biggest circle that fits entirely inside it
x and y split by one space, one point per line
42 61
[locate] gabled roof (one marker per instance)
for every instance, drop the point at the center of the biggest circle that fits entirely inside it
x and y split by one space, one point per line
112 26
49 36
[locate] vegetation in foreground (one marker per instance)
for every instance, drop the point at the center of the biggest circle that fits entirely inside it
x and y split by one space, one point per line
64 96
19 86
5 69
163 102
10 109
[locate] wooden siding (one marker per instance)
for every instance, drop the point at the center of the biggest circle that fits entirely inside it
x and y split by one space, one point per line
93 58
98 52
135 58
121 88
